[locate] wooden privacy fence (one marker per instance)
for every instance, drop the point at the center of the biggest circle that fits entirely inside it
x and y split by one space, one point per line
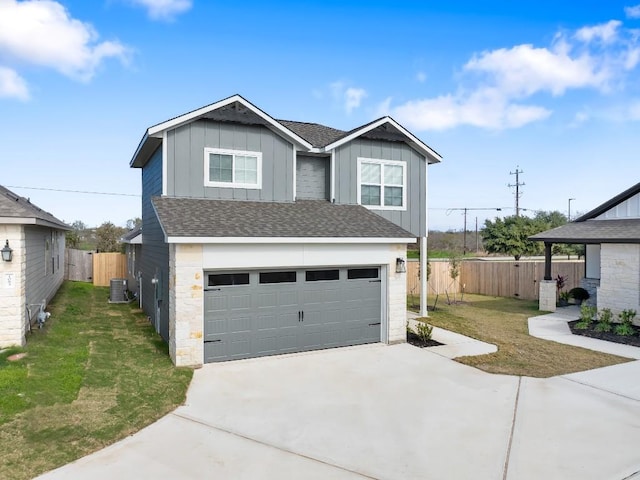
497 278
107 266
99 268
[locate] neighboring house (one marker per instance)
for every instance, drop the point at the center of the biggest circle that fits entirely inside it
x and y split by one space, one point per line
611 233
35 272
132 241
264 236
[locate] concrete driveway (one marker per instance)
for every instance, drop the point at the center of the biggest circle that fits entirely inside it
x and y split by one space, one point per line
387 412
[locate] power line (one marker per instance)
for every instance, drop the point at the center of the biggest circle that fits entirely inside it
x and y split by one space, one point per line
76 191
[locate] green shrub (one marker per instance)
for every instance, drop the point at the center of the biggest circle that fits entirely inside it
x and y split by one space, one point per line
625 329
424 331
579 293
627 316
604 320
587 315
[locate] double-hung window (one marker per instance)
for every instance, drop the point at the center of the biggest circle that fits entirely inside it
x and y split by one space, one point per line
382 184
232 168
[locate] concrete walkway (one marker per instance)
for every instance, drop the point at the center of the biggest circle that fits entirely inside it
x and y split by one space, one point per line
385 412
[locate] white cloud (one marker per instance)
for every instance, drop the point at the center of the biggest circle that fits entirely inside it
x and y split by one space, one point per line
632 12
497 86
163 9
353 97
605 32
12 85
349 98
43 33
634 111
524 70
485 108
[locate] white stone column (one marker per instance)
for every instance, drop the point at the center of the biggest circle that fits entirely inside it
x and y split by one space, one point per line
13 317
397 297
186 307
547 301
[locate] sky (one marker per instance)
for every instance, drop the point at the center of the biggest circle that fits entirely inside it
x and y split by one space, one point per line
495 87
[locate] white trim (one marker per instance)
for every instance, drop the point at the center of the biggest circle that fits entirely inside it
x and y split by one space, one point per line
381 162
225 151
295 173
332 177
416 142
289 240
165 168
195 114
32 221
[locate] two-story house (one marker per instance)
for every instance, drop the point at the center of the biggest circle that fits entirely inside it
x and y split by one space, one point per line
264 236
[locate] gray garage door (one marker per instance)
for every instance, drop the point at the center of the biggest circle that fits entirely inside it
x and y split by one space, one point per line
257 313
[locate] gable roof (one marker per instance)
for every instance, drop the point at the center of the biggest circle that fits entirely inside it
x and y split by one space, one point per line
312 137
19 210
132 236
608 205
204 221
588 228
593 231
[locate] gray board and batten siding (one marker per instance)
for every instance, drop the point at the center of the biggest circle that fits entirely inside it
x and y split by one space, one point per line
154 258
414 218
185 160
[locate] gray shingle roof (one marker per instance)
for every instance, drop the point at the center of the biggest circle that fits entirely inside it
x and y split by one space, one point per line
16 207
189 217
314 133
593 231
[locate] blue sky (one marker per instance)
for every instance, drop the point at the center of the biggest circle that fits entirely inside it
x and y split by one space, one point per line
492 86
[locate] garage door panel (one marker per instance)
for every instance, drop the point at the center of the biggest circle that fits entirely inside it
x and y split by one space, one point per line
255 319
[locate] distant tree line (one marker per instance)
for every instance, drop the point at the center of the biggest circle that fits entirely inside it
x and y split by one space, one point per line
105 238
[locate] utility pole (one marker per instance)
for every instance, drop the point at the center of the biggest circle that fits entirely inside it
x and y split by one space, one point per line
517 185
569 210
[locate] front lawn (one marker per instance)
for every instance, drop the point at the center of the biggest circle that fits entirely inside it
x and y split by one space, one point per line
503 322
96 373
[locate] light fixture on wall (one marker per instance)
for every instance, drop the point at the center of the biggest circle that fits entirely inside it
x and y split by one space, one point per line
7 253
401 267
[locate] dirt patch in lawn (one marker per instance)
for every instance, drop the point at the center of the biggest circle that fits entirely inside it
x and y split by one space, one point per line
633 340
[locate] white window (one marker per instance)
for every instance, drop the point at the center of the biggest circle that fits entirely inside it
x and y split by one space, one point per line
382 184
232 168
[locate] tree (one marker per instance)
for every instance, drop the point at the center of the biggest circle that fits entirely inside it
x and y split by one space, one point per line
134 223
75 236
509 236
108 236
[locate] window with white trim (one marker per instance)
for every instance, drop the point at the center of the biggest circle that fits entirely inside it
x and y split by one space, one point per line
382 184
232 168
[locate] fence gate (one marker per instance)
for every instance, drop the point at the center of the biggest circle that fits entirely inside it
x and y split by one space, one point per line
78 265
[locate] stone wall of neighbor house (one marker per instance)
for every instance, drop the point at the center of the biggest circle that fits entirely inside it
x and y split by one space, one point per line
591 285
620 277
13 324
397 299
186 312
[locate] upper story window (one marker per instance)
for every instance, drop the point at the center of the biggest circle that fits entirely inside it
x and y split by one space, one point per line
382 184
232 168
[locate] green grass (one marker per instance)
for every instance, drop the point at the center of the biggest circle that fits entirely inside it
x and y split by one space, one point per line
503 322
96 373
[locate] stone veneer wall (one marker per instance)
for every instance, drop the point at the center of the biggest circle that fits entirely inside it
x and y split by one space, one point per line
186 310
13 325
620 277
397 298
591 285
548 292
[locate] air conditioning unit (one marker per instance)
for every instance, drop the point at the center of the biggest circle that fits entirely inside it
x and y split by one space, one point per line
118 290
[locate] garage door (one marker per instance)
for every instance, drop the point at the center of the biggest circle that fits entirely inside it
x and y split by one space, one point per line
257 313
